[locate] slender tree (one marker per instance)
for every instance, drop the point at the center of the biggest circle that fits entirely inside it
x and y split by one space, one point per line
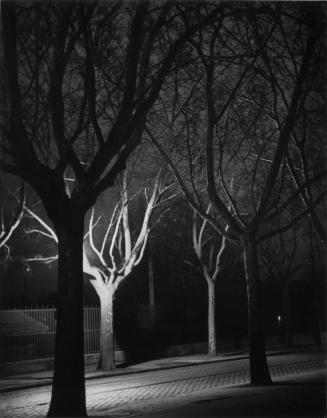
211 267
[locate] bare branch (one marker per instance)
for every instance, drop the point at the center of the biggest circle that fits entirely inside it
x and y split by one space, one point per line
112 219
51 232
6 233
91 240
42 259
113 241
187 194
295 220
285 132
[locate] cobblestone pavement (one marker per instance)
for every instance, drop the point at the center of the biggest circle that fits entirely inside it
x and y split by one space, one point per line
124 395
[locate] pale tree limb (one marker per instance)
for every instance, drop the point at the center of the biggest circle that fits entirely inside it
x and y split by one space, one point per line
42 259
113 241
92 270
91 240
7 231
124 254
126 227
51 233
141 240
112 218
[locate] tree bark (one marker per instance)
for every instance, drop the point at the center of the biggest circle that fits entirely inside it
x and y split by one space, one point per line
259 371
107 346
2 275
68 389
317 326
313 282
212 343
286 324
152 305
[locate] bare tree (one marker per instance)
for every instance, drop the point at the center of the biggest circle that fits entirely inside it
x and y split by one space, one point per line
211 267
80 79
110 258
235 134
117 254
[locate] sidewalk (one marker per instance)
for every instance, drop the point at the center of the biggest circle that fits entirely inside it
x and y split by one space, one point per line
300 396
44 378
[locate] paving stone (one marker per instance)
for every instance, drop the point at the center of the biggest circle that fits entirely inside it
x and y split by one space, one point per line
123 394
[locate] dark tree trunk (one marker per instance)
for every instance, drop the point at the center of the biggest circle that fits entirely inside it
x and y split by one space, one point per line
259 371
1 286
212 343
315 298
68 389
286 324
152 306
316 316
107 346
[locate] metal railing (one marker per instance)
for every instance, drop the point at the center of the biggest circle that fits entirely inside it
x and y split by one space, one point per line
29 333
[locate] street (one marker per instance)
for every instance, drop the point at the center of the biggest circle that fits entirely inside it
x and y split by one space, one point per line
194 387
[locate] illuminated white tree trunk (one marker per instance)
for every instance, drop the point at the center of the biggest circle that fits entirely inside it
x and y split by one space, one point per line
106 294
211 268
212 344
107 344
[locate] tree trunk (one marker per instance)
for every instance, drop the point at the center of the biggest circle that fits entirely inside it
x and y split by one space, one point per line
314 286
317 326
68 388
212 344
259 371
2 275
286 324
107 346
152 307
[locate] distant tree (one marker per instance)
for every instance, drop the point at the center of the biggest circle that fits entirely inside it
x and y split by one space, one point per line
209 255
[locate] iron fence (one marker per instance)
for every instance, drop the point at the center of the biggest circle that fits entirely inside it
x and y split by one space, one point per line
29 333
